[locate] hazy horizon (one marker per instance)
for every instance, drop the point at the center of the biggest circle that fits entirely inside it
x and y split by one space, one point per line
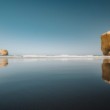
53 26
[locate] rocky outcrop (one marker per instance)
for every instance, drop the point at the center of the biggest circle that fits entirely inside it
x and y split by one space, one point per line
3 52
105 43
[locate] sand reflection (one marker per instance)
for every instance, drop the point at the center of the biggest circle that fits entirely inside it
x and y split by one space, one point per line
3 62
106 70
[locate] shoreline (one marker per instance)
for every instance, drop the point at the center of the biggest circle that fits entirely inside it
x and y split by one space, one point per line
55 56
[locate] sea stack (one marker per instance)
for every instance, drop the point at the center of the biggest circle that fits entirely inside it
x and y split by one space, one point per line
105 43
3 52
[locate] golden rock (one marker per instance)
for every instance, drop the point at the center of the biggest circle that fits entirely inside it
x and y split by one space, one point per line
105 43
3 52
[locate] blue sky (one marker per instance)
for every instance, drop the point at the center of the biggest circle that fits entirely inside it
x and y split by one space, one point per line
53 26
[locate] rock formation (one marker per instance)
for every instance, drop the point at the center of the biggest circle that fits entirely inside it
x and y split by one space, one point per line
3 52
106 70
105 43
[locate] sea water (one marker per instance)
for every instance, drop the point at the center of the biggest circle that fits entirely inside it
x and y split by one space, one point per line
54 84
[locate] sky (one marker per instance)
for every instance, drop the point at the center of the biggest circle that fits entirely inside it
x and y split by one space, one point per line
53 26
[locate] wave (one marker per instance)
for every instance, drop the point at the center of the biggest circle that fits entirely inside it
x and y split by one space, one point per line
57 56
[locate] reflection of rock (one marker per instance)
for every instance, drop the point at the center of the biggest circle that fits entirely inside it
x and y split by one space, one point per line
3 62
105 43
3 52
106 70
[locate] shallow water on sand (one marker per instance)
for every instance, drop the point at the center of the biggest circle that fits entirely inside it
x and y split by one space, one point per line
33 84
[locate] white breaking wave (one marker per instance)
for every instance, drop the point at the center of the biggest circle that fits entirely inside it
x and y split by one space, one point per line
64 56
56 56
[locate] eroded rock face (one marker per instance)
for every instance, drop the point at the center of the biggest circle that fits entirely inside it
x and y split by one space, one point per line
105 43
3 52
